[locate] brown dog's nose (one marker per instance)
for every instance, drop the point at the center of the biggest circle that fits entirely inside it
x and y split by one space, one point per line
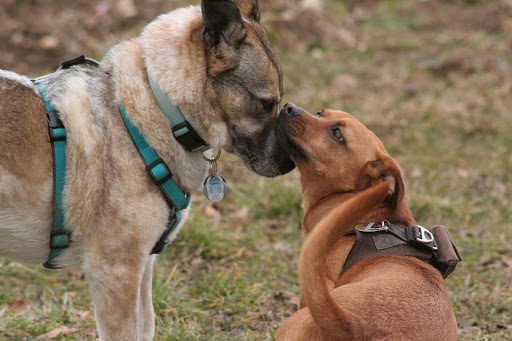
291 109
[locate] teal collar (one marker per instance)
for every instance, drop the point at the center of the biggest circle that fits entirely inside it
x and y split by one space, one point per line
181 128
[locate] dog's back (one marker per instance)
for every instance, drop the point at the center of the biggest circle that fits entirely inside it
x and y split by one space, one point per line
26 162
372 299
25 170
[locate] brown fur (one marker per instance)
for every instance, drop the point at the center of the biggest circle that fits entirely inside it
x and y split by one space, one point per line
345 182
28 159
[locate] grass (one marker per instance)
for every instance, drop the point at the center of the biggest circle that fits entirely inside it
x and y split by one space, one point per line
433 81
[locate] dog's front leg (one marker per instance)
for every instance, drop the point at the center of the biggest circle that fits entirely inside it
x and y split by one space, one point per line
116 293
146 311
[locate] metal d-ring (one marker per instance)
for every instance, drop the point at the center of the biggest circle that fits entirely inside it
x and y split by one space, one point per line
212 162
212 159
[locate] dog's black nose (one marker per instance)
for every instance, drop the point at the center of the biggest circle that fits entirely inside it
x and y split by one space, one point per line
291 109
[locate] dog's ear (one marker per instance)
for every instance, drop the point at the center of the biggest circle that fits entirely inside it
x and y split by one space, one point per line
375 171
223 32
249 9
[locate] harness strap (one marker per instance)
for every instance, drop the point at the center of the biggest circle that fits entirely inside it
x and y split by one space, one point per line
162 177
59 237
435 248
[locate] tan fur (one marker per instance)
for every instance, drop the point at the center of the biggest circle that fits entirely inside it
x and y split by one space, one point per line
345 183
111 206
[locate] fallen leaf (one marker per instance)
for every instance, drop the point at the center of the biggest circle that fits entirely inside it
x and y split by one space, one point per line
76 274
82 317
295 300
55 333
210 211
506 261
22 306
241 213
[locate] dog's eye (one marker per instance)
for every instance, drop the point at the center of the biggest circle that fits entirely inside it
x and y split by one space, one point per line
268 106
336 134
318 114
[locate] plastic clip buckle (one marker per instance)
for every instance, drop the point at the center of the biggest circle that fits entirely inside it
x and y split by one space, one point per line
156 174
60 239
188 137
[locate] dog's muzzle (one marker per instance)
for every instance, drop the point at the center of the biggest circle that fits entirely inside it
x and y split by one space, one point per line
291 114
263 154
289 126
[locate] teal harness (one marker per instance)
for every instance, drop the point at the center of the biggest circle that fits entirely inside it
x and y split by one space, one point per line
59 236
157 169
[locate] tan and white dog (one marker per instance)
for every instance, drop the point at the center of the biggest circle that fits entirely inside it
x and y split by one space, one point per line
216 64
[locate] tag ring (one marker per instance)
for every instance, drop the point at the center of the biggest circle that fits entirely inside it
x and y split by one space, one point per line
212 159
213 168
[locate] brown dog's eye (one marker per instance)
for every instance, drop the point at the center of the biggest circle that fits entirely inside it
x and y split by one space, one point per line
336 134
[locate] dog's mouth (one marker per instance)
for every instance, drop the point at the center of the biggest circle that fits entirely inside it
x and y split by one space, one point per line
289 127
262 153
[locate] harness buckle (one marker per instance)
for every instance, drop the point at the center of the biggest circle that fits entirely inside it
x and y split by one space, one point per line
78 60
420 236
188 137
159 171
425 235
60 239
55 126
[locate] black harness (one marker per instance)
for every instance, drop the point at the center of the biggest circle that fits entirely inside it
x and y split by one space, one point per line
434 247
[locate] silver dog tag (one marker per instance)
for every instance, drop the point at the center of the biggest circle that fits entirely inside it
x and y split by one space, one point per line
372 227
215 187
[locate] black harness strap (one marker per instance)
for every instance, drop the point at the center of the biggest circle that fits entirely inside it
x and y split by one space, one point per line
409 241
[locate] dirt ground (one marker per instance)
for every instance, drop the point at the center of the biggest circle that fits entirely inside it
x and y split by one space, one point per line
35 36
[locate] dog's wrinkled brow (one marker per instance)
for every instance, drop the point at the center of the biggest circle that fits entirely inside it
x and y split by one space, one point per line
269 51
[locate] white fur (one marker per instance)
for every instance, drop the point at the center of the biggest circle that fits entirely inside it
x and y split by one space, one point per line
24 215
19 78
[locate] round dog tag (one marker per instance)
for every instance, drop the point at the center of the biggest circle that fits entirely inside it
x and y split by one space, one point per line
215 187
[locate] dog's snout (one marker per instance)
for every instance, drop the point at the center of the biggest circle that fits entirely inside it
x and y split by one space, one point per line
291 109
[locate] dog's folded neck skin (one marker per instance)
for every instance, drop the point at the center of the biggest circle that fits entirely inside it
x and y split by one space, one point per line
316 210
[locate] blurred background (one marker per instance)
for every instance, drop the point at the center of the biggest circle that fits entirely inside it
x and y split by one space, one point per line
431 78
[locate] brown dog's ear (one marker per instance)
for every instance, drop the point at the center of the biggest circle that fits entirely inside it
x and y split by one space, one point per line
223 32
375 171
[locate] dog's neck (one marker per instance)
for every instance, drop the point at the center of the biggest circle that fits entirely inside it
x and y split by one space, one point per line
316 209
132 91
175 64
129 62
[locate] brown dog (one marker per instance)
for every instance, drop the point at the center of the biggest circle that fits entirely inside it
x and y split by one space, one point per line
348 178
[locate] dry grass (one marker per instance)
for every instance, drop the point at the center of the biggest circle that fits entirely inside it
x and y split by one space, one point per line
433 80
